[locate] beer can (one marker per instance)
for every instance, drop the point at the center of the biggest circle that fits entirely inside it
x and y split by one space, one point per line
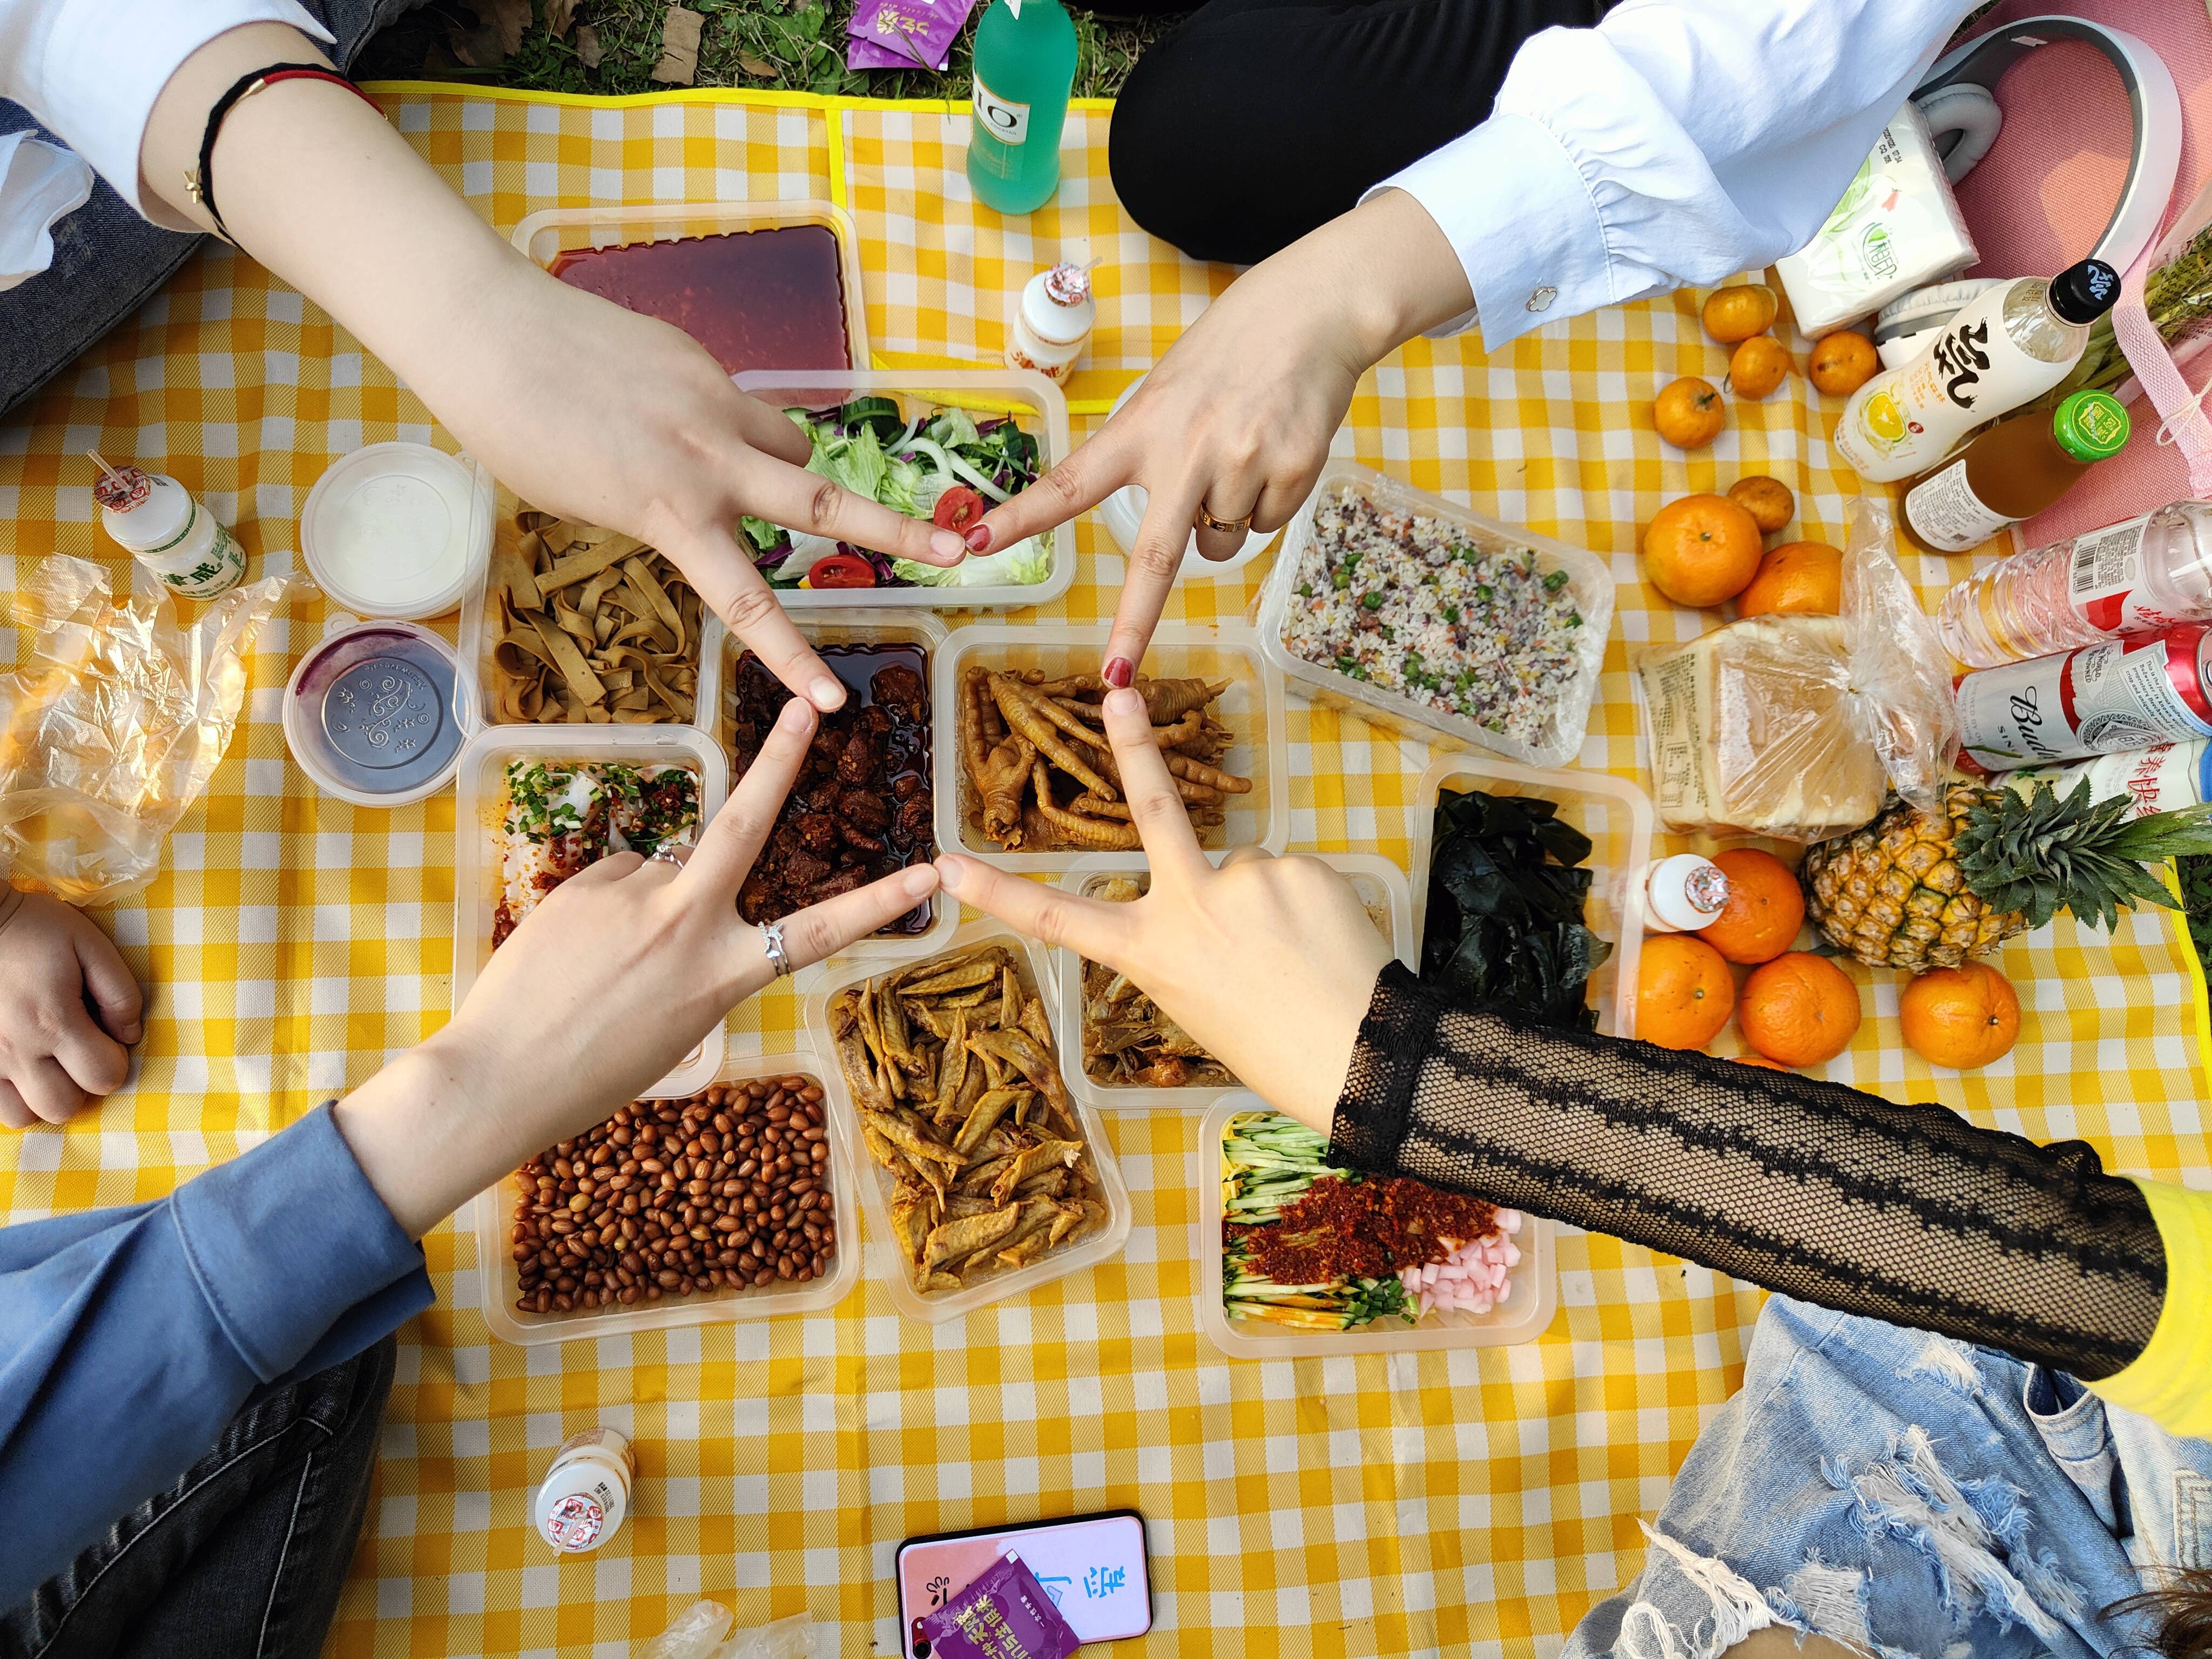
2104 699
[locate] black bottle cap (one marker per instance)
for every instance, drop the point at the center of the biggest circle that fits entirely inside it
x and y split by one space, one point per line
2083 293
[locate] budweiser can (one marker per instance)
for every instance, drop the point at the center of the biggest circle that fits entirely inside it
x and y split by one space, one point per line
2104 699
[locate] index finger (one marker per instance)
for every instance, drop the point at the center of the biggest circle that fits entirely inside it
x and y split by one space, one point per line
1152 566
1155 804
733 590
1092 471
799 499
1090 928
732 839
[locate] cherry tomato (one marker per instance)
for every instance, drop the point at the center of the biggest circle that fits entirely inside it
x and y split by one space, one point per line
842 570
957 508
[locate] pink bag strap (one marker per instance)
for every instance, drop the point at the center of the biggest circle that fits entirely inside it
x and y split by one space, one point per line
2183 421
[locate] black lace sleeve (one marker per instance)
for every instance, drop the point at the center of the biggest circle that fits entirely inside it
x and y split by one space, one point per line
1906 1213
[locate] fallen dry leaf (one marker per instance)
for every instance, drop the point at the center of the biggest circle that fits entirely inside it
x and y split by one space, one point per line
679 47
588 51
559 15
760 66
510 18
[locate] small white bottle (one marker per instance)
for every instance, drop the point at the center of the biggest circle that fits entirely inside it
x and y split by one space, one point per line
1683 893
585 1493
167 532
1053 321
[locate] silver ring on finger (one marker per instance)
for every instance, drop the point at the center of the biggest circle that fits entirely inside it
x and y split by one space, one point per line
772 943
1205 520
670 853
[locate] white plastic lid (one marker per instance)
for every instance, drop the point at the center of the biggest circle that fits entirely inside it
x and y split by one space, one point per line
581 1503
397 530
1123 515
367 719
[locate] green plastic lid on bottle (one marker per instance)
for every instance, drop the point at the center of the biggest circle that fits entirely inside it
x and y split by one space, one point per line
2091 426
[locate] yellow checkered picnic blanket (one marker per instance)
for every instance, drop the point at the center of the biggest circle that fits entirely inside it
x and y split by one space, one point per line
1474 1502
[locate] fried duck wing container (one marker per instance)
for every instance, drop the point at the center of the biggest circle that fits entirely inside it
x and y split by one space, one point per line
1798 726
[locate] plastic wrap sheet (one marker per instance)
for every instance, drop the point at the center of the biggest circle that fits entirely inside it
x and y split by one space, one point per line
111 731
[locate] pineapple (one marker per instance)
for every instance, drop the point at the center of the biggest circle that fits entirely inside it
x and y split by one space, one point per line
1916 890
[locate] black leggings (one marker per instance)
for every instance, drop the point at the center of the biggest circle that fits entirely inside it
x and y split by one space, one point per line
1258 120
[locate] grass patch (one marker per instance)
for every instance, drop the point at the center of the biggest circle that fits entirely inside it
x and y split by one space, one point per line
795 45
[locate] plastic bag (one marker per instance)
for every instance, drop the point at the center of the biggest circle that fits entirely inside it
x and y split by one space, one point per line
697 1631
111 731
1797 727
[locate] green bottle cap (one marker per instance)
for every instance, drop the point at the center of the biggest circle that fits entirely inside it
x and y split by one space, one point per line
2091 426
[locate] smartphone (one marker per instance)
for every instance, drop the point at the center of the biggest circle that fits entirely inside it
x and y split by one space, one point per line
1092 1566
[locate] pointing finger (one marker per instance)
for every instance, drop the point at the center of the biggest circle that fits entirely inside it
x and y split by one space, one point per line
800 500
1155 805
819 930
730 843
729 585
1097 930
1152 566
1088 476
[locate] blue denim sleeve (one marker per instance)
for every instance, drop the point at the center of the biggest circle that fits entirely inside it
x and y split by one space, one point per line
130 1337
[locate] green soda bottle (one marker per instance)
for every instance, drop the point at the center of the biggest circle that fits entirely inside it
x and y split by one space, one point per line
1024 68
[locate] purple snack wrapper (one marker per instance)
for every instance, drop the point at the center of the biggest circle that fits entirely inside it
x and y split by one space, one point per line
1004 1614
904 33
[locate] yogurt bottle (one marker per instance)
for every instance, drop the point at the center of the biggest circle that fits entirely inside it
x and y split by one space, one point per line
586 1492
167 532
1683 893
1053 321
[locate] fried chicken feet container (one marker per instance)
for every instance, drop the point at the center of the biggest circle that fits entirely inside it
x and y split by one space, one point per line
1382 888
877 1186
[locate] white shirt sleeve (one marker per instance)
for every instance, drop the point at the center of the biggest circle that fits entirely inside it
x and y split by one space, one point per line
92 70
1677 142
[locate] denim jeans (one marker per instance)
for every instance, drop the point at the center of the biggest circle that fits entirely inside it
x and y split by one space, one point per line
243 1558
107 260
1910 1495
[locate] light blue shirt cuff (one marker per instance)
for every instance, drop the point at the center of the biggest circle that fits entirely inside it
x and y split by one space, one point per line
1519 214
287 1239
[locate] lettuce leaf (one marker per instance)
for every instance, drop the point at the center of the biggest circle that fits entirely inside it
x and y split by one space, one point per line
1027 562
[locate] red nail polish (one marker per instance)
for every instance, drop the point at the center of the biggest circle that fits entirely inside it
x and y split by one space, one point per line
1120 672
979 540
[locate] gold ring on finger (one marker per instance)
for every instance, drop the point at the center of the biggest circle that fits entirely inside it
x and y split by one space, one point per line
1205 520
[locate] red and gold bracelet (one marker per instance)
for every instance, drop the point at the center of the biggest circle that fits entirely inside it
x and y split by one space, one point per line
199 182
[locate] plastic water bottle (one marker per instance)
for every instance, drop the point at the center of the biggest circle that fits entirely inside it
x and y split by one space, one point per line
2130 577
1025 70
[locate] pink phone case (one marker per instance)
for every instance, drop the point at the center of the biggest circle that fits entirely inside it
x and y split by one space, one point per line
1092 1566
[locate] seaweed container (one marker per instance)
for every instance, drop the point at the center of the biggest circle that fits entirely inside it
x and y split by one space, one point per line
1619 819
1535 1281
1252 709
1382 888
935 1308
1036 405
546 235
918 630
481 800
1588 579
493 1221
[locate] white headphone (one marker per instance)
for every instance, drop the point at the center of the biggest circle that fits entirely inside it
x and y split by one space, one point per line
1962 111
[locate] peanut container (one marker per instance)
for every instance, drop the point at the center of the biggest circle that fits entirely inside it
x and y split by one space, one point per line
1588 578
875 1185
1037 407
1380 884
1252 707
721 652
481 802
493 1220
1535 1280
1614 813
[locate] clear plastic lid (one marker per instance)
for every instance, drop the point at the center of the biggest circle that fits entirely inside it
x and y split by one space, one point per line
377 713
398 530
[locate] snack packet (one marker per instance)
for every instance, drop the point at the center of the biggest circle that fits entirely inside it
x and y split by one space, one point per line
904 33
1005 1614
1798 726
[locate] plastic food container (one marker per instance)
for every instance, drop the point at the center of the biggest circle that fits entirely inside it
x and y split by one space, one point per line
720 653
1535 1281
498 1286
935 1308
1036 404
1252 709
481 793
377 713
1588 578
1614 813
398 529
545 235
1382 888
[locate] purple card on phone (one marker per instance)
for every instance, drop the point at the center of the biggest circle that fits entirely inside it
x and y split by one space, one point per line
1004 1614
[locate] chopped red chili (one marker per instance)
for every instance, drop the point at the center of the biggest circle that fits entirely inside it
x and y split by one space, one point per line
1368 1229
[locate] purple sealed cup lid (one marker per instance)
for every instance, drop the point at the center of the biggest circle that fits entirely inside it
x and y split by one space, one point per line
1005 1614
